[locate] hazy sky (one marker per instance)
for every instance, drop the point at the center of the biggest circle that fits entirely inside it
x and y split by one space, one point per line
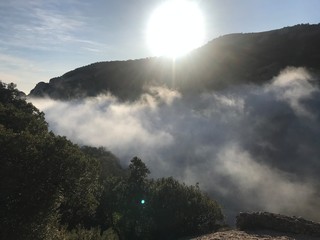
41 39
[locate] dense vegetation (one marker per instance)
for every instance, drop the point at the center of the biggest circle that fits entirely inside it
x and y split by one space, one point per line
54 189
235 58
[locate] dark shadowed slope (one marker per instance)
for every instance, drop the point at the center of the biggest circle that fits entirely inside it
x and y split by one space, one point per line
230 59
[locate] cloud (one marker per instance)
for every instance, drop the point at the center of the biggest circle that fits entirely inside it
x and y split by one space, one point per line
18 69
273 189
38 37
250 147
9 61
45 25
95 118
292 85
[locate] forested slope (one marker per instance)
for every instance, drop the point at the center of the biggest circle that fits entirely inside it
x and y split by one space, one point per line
54 189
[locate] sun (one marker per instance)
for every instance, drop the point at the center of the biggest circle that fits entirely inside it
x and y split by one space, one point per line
175 28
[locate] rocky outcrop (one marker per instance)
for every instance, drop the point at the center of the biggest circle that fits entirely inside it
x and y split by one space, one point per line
277 222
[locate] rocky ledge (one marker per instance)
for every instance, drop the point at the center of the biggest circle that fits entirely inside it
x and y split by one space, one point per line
277 222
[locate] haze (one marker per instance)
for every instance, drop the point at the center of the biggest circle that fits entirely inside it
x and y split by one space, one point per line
250 147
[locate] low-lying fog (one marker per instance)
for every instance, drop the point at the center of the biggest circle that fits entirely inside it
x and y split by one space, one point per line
250 147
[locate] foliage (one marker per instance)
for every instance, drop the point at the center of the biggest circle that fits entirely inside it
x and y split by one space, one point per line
42 176
170 209
110 165
180 210
54 189
79 233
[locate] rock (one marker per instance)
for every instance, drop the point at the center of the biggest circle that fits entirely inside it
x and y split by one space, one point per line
40 89
277 222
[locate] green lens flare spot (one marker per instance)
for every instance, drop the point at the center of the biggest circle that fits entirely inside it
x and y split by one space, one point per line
142 201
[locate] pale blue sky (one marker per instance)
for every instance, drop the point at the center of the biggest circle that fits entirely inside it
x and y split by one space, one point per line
41 39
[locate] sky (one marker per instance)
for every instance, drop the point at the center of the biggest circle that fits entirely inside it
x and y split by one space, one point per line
42 39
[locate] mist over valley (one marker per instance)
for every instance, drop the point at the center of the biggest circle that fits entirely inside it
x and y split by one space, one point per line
239 116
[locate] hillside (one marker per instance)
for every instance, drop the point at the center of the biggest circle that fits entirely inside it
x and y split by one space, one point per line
230 59
52 188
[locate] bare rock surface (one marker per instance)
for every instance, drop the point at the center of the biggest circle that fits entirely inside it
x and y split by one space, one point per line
267 226
277 222
254 235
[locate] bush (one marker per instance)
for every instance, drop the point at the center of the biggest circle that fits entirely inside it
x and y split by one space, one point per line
43 177
47 182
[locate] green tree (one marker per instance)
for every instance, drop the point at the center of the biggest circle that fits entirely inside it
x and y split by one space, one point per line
179 210
42 176
170 209
129 216
138 172
53 189
110 164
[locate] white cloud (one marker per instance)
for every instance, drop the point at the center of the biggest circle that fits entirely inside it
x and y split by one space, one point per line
92 121
45 25
293 85
273 189
252 147
23 72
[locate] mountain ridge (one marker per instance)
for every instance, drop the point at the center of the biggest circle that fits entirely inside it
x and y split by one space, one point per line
230 59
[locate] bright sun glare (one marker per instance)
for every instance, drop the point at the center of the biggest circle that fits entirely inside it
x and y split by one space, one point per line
175 28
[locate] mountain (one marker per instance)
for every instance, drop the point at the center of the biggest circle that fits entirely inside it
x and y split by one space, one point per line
230 59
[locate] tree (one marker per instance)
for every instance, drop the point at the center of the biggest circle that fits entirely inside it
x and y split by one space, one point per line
180 210
42 176
129 217
53 189
138 171
169 209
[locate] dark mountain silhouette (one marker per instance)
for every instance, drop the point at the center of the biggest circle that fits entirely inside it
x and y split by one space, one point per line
231 59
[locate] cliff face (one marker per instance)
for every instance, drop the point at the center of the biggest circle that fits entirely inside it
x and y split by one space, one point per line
231 59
